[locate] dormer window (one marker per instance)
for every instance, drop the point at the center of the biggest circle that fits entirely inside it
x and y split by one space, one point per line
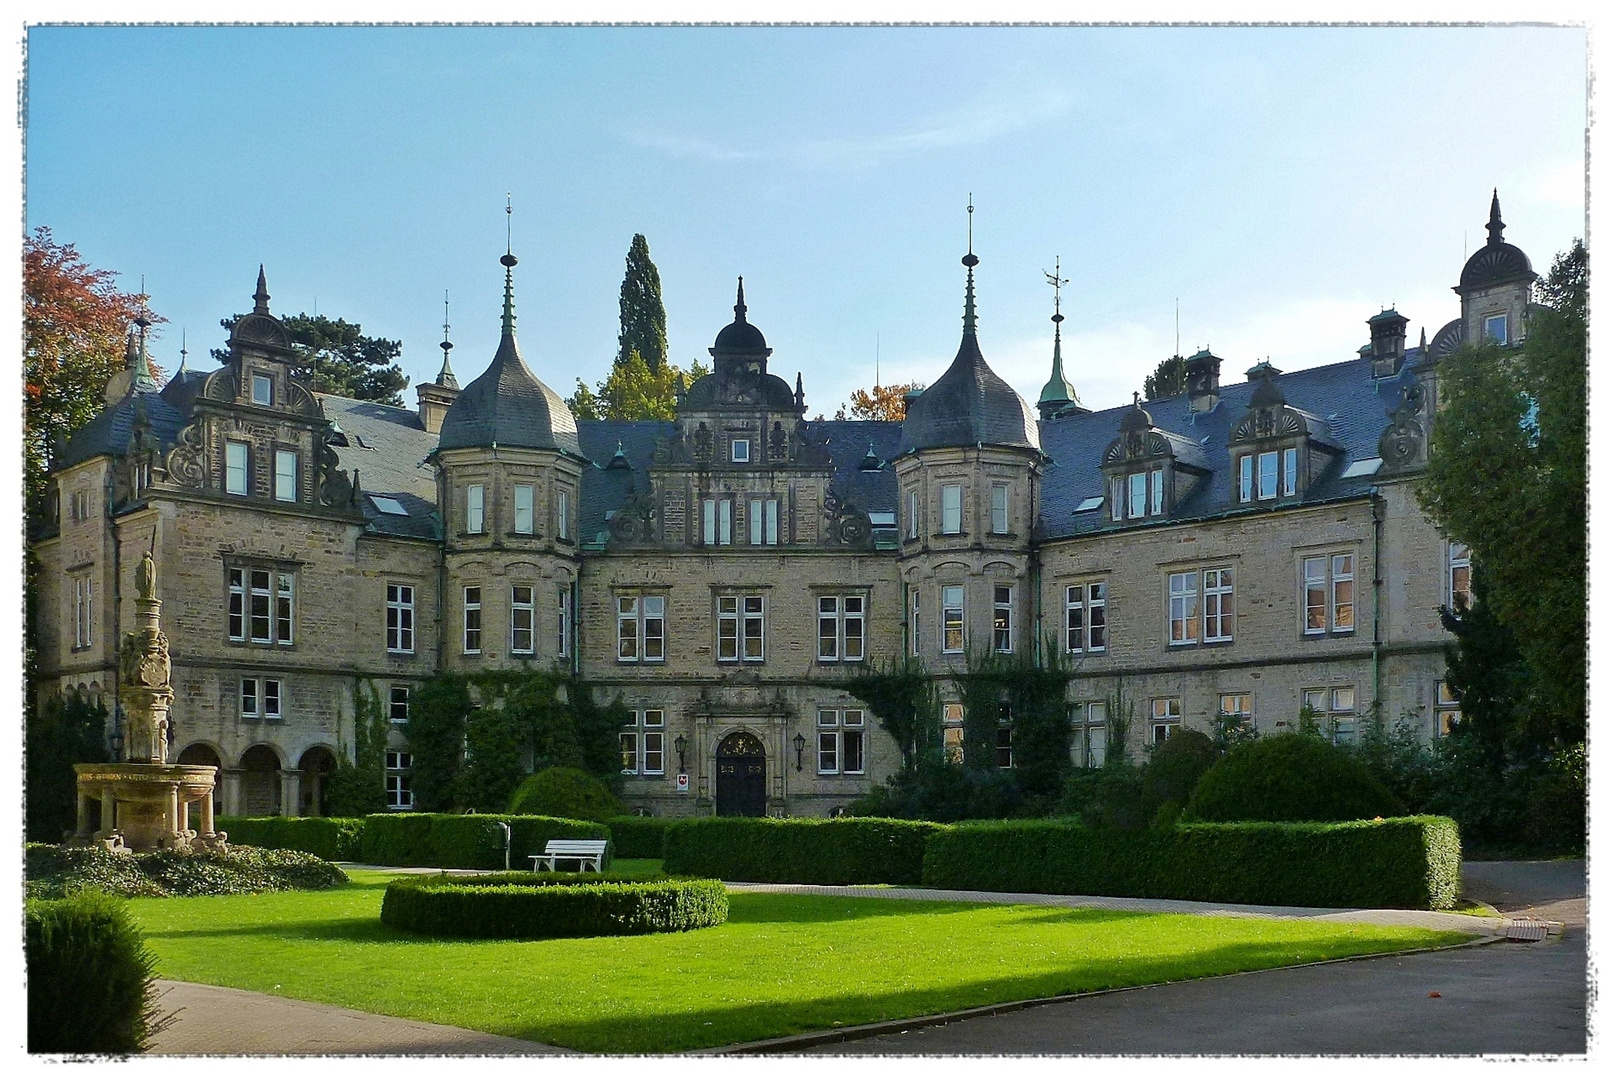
1275 446
262 390
1149 471
1494 329
741 451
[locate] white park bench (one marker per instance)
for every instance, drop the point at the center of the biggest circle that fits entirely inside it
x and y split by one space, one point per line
583 851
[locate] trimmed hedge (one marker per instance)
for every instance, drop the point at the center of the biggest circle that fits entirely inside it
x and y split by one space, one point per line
327 837
1394 863
550 906
638 837
563 792
1291 777
53 872
468 841
807 851
89 978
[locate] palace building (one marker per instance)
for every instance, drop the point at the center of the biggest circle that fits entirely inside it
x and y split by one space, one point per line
1247 548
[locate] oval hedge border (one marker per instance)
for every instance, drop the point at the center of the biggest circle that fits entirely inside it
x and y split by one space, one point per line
539 906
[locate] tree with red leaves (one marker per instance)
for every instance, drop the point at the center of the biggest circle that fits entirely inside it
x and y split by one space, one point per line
76 320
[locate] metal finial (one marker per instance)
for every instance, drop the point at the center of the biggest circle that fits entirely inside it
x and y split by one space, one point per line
509 222
1497 227
1057 281
183 351
971 223
970 322
261 307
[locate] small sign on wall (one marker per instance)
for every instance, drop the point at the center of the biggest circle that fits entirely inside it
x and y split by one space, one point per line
682 783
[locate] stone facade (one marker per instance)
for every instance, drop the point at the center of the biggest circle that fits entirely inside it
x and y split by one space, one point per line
1251 547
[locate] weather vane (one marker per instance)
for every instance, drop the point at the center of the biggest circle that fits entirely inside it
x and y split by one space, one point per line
1057 282
509 223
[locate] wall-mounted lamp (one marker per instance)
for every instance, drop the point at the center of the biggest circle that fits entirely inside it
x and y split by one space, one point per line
800 749
680 744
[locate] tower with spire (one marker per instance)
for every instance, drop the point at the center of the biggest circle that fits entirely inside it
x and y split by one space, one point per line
438 395
1496 287
1058 397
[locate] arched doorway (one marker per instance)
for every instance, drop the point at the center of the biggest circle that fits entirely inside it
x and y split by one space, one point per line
202 754
260 782
316 765
741 776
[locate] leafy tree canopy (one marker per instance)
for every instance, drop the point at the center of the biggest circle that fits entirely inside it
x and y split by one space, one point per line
1167 380
336 357
880 403
1506 475
75 323
643 316
635 392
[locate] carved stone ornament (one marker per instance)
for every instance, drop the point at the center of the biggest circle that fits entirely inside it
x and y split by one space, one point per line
777 443
1402 442
634 522
847 524
704 443
334 487
187 462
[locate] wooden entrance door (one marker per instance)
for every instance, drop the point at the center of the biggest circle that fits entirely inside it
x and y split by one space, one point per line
741 776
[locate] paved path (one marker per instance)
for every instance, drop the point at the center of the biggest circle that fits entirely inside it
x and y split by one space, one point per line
1492 999
219 1020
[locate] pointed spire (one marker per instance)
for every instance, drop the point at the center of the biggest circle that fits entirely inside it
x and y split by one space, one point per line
738 307
261 307
1058 392
1496 226
184 351
509 261
446 377
141 364
970 321
800 392
1424 339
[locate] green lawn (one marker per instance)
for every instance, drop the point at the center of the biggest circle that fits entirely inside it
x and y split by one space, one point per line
781 964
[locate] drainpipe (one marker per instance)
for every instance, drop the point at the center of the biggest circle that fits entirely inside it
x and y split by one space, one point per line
1377 513
117 608
1035 573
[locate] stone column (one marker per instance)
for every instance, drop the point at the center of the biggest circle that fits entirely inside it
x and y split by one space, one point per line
230 781
290 792
108 812
174 824
207 814
83 829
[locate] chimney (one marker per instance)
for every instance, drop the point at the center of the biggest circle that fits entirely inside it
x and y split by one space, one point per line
1203 381
1387 342
434 401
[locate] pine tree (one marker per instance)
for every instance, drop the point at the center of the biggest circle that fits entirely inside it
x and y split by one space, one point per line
1167 380
643 316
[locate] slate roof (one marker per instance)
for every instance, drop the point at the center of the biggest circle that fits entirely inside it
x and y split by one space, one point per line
509 406
969 405
604 489
1354 406
109 432
386 449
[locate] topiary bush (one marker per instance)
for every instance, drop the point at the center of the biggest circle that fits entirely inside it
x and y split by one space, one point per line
1106 798
565 793
1400 862
1290 777
327 837
551 906
638 837
54 872
809 851
90 978
468 841
1173 770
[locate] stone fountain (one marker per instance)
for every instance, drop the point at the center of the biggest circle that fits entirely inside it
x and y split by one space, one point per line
145 802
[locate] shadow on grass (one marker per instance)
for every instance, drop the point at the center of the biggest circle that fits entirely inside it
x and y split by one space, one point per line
812 908
623 1031
358 928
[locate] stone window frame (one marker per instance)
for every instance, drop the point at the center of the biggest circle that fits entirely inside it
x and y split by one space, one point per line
1084 722
252 383
961 607
635 741
1001 508
960 530
245 447
518 607
740 610
83 611
400 607
762 523
1327 579
1195 623
1457 572
1004 629
1340 720
1093 599
836 733
565 506
466 606
280 454
840 617
1164 715
529 510
641 619
397 703
475 518
259 697
280 603
399 769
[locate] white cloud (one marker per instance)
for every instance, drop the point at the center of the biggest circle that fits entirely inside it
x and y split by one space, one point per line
1560 184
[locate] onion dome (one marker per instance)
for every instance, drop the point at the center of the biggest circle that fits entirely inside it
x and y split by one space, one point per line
739 376
507 405
970 404
1497 262
739 337
257 328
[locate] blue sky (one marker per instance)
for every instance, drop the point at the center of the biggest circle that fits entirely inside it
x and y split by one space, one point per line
1283 184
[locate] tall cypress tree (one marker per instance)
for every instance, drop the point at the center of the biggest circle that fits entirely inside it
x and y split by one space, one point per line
643 316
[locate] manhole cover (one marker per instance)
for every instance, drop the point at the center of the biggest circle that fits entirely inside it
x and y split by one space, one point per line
1524 930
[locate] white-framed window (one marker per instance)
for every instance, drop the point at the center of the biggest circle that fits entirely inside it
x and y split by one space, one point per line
763 521
1218 604
524 504
1002 618
1088 734
1155 492
81 506
1116 498
951 509
1495 329
285 475
1449 708
841 628
643 743
1329 593
915 621
475 508
1245 478
641 629
999 509
740 452
399 618
397 705
1136 504
1334 708
261 605
563 611
716 521
262 389
1184 608
951 731
1238 706
1166 718
472 609
912 514
522 621
1459 558
83 612
1004 738
841 742
741 628
1290 470
235 471
1267 474
951 618
1086 616
562 513
399 769
260 699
